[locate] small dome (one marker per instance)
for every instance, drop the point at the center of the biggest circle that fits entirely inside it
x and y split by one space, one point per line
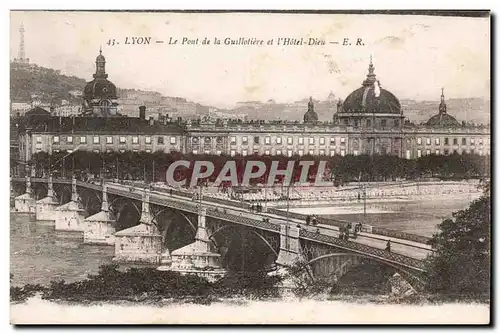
100 58
443 120
310 116
100 88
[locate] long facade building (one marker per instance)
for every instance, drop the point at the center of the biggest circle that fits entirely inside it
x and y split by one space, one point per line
369 121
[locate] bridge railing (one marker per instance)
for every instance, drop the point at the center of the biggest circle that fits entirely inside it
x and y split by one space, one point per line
364 249
340 223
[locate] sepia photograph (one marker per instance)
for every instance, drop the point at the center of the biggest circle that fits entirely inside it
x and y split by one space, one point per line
250 167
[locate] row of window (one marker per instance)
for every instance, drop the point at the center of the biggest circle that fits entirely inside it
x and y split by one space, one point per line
447 141
383 122
109 140
289 140
447 152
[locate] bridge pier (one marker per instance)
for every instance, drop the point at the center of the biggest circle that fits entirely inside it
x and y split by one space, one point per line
45 208
197 258
70 216
141 243
100 228
290 249
25 203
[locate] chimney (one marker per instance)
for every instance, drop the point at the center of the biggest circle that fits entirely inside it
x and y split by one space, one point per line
142 112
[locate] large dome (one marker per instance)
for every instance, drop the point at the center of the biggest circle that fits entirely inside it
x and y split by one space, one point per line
100 88
371 98
364 100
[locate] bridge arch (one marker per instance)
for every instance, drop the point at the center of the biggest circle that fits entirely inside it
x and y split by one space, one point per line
408 275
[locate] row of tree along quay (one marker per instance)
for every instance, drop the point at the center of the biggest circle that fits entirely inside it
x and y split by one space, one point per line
458 270
339 169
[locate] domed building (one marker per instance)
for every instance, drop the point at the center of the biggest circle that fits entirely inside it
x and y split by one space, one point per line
370 106
310 116
100 96
442 119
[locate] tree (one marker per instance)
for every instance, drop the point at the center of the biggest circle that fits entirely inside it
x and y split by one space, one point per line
461 263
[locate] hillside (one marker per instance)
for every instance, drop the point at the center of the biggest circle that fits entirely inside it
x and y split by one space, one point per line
48 84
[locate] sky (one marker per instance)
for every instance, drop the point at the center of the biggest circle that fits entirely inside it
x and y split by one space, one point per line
414 56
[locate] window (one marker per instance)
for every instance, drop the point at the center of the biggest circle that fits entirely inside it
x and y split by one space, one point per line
135 140
290 140
267 140
206 151
233 140
109 140
355 152
446 151
121 150
408 154
56 139
437 141
342 141
244 153
96 151
311 152
455 141
233 153
419 153
356 123
109 150
38 139
278 140
322 140
472 152
267 152
427 152
135 151
195 151
396 122
472 141
311 141
219 152
256 140
96 139
332 153
301 140
428 141
383 123
480 152
446 142
83 140
368 122
290 153
437 152
255 152
147 139
419 141
480 141
332 140
278 152
244 140
301 152
160 140
346 122
464 141
123 140
321 152
56 151
69 140
173 140
342 153
464 151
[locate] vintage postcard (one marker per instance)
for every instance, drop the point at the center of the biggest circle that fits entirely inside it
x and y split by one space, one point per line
176 167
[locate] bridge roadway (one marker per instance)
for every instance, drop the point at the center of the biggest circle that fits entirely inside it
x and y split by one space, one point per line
403 252
407 249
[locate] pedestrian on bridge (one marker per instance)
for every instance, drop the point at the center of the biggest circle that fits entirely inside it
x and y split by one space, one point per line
308 220
388 246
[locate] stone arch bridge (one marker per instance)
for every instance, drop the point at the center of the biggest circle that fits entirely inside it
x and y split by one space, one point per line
151 225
